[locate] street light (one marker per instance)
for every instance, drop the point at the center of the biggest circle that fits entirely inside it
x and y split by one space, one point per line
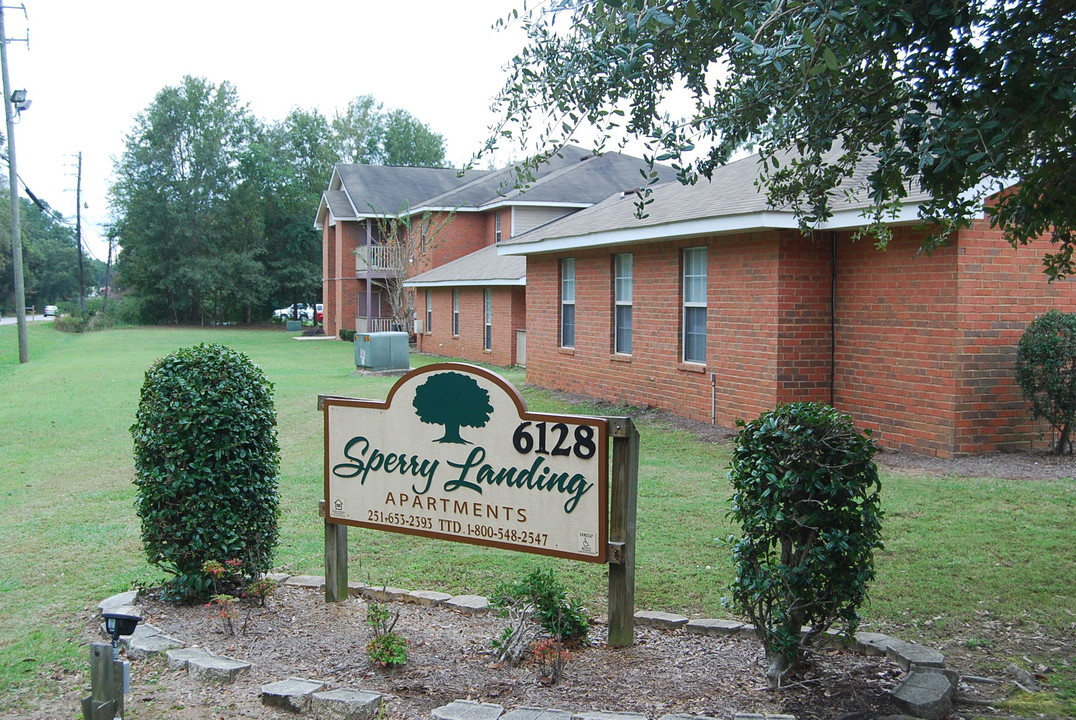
18 99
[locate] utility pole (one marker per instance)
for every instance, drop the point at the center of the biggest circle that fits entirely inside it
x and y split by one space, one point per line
78 238
13 185
108 267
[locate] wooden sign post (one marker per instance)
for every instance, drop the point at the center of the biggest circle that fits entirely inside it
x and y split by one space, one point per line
622 508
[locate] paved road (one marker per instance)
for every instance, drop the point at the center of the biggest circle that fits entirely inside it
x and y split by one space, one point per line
11 320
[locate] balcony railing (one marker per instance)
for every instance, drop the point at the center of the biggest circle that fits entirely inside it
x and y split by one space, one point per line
382 258
373 324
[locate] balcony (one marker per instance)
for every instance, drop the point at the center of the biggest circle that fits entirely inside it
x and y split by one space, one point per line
378 261
373 324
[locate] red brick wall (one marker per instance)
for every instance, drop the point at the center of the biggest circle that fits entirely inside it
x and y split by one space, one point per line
450 238
742 329
924 346
896 353
804 310
1000 291
339 286
509 312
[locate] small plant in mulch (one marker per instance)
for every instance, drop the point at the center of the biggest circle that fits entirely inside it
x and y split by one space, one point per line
535 606
230 585
550 656
261 589
224 604
387 648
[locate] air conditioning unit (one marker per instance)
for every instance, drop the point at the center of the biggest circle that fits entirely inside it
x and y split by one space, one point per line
382 351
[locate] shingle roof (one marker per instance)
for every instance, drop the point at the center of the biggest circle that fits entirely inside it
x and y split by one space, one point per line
574 177
729 202
483 267
378 189
338 203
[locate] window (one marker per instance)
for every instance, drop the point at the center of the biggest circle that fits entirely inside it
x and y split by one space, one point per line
623 273
489 320
456 312
567 302
496 227
695 305
429 310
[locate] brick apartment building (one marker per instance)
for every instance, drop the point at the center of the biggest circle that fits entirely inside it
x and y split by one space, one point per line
717 308
714 306
469 302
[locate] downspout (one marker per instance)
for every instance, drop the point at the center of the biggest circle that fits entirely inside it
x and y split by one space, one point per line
713 398
369 290
832 318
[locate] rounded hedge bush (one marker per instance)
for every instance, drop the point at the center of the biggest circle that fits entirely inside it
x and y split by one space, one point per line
806 495
1046 372
206 462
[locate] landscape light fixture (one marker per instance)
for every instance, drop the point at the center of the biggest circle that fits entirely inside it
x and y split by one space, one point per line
117 624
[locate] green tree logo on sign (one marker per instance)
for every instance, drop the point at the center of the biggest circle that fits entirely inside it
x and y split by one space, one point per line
452 400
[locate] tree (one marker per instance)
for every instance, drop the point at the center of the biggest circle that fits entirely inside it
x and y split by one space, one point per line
806 494
292 163
965 99
365 134
213 207
188 221
50 256
409 238
453 400
357 132
1046 372
407 141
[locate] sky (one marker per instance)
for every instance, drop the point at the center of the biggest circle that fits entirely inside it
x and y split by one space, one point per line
91 66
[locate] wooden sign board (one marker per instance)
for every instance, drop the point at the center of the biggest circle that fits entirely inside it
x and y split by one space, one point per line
453 453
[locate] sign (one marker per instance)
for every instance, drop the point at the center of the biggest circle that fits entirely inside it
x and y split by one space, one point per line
454 454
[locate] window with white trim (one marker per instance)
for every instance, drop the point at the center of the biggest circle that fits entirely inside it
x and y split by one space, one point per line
567 302
456 313
497 227
489 320
429 310
694 318
623 278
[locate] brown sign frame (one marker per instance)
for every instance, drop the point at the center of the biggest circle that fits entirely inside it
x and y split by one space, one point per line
599 425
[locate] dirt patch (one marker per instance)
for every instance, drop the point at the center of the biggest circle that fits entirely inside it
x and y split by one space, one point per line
299 635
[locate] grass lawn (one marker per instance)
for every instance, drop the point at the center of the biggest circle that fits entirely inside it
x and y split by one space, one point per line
962 554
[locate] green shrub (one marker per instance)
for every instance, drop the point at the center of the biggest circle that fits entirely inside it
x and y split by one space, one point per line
387 648
805 492
101 314
562 617
347 335
70 323
1046 372
206 462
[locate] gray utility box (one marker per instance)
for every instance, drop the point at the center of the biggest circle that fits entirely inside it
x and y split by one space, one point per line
382 351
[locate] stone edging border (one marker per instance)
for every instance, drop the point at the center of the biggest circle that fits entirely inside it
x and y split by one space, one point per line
926 691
